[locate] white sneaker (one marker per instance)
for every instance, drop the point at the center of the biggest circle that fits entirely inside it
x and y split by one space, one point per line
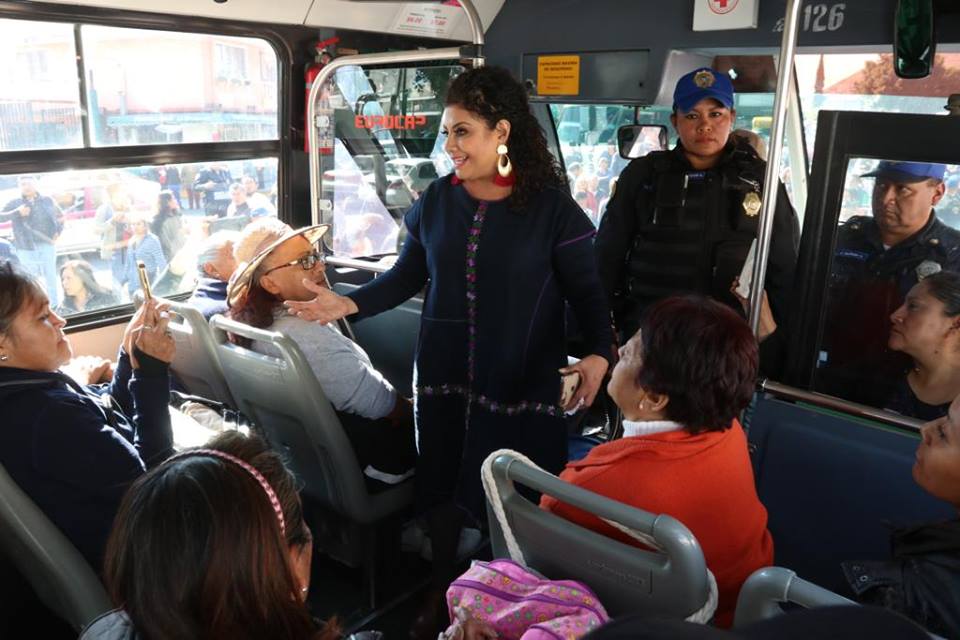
412 537
469 541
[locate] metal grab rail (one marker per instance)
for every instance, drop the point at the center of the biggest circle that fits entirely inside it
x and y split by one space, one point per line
353 263
771 183
837 404
473 54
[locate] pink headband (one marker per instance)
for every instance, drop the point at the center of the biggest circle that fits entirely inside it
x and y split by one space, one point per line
249 468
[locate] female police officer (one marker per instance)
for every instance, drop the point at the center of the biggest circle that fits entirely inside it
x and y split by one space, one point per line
683 220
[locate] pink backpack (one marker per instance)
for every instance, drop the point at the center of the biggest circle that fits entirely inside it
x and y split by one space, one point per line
517 603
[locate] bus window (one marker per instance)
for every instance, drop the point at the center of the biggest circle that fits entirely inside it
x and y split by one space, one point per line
137 86
872 270
148 87
588 144
387 151
866 82
113 217
40 105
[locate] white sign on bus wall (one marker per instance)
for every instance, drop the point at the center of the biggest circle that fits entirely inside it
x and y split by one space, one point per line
427 18
715 15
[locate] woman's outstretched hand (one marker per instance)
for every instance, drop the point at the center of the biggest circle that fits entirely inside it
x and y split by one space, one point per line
591 370
327 307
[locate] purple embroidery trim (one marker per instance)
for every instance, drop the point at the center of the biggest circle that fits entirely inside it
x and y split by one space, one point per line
493 406
588 234
473 247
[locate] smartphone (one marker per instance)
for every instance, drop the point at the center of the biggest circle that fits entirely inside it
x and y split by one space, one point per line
144 280
569 383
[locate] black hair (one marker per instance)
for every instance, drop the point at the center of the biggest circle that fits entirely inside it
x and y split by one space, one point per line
945 287
492 94
17 289
84 271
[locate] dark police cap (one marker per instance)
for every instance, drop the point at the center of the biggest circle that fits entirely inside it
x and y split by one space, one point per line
824 623
702 83
907 172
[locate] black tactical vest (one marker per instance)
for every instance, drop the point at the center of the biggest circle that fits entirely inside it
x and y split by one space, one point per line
694 233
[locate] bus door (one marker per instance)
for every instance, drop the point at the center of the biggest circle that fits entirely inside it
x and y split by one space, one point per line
385 151
833 462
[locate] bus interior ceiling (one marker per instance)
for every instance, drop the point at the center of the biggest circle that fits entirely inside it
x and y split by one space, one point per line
631 55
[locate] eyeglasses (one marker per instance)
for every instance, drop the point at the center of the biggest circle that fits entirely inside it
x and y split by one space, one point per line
306 262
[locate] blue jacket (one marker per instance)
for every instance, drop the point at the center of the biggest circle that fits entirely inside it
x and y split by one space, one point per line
210 297
148 250
40 226
74 450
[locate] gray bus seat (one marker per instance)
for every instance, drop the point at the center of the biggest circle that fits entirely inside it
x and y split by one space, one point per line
626 579
59 575
390 339
282 397
834 487
761 595
195 363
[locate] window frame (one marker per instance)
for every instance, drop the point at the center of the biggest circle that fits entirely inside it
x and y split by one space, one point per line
98 157
850 134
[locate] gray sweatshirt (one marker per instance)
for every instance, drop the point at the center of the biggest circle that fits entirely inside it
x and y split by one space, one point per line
342 368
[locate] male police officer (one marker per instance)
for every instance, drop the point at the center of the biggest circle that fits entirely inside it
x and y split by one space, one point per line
683 220
877 260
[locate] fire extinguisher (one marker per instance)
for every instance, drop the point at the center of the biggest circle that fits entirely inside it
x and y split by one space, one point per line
320 59
310 74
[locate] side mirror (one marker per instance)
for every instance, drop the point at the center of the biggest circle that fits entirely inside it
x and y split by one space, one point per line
914 42
637 140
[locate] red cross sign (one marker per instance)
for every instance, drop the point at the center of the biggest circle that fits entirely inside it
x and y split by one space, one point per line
722 6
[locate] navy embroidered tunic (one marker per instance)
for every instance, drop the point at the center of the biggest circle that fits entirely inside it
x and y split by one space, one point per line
492 333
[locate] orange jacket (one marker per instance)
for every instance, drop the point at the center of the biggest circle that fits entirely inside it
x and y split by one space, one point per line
705 481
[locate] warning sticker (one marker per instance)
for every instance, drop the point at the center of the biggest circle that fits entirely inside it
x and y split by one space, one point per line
558 75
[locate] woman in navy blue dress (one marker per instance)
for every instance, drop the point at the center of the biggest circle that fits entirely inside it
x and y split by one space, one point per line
501 247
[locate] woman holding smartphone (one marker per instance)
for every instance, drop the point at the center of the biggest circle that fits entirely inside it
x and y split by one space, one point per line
502 248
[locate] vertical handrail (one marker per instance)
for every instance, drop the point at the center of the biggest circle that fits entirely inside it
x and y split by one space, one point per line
472 54
788 46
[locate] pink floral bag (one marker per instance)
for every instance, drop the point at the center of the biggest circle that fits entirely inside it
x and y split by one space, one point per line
516 603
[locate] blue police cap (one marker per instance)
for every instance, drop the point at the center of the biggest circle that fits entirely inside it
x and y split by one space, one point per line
907 171
702 83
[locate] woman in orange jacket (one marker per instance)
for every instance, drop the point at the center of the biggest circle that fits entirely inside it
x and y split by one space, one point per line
681 381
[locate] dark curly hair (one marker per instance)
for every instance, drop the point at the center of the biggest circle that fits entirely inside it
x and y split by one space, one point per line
702 355
494 95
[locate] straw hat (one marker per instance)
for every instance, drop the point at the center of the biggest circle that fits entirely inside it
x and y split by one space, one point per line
257 242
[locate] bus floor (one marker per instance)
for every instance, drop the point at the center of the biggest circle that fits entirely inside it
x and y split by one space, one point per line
402 580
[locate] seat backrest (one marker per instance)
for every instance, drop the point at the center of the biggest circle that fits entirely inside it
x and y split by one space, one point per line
627 579
763 592
195 364
833 485
59 575
390 339
282 396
